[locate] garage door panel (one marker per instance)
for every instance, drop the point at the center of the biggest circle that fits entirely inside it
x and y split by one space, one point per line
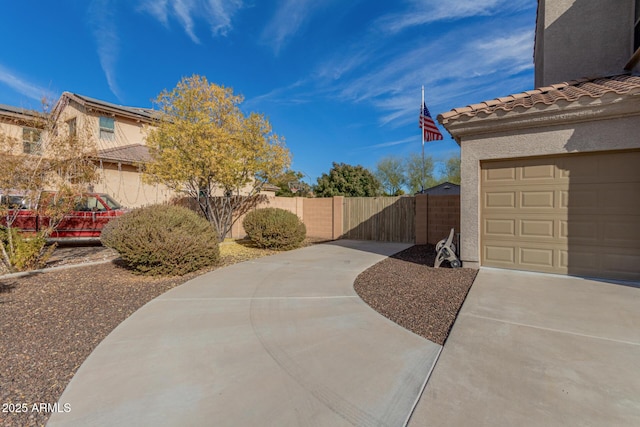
500 200
537 228
584 231
500 227
536 257
500 255
541 172
618 169
537 199
624 265
581 198
576 214
621 232
502 174
624 198
583 170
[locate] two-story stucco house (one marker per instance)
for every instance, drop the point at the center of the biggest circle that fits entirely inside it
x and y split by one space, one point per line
118 133
551 176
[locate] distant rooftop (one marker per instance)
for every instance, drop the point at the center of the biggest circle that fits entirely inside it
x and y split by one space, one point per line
146 114
16 112
444 189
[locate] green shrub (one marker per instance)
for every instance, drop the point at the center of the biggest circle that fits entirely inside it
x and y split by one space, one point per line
23 253
274 228
162 240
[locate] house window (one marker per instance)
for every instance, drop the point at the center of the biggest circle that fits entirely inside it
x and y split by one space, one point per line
72 127
31 143
107 128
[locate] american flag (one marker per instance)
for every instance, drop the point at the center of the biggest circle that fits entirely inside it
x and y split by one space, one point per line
431 132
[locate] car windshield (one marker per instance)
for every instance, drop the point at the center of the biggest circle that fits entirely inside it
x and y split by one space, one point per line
110 202
14 202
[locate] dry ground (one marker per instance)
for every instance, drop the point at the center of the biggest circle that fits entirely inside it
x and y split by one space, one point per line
52 321
408 290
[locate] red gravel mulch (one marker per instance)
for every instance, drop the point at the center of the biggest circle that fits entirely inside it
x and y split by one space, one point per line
408 290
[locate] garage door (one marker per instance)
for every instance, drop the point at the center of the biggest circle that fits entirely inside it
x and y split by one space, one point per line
576 214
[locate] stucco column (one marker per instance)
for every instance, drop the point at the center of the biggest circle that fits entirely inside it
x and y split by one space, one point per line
421 215
337 217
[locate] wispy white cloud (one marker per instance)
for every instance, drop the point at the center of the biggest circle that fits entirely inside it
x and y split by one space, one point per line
290 17
478 61
217 14
24 87
477 65
420 12
410 140
102 20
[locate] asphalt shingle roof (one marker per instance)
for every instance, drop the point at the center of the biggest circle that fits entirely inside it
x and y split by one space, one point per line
133 153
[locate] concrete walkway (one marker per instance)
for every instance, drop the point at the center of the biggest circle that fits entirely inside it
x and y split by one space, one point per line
279 341
538 350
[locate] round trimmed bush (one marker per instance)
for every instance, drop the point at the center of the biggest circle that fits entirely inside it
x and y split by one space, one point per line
274 228
162 240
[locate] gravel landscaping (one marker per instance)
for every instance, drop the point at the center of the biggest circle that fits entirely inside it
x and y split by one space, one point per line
51 321
408 290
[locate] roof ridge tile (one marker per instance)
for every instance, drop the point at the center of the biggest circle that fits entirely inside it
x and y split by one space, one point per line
568 91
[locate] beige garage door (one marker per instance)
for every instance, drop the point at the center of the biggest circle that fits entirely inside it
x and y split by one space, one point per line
576 214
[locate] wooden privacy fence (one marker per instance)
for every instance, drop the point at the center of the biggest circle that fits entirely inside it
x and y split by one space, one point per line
417 219
385 219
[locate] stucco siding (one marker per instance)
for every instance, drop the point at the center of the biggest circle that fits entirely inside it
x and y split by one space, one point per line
584 38
124 183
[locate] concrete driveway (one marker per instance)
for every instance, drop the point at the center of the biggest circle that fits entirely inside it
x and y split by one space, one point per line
279 341
538 350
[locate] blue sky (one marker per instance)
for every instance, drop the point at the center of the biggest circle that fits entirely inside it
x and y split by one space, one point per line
340 80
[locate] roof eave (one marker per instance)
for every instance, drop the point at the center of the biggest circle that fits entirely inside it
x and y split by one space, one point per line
609 106
92 105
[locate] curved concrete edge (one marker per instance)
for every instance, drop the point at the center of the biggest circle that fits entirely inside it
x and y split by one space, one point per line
49 269
282 340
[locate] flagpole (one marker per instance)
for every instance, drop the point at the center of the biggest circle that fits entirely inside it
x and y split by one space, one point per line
422 132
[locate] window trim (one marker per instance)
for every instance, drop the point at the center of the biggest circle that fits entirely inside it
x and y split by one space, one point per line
106 130
29 146
72 126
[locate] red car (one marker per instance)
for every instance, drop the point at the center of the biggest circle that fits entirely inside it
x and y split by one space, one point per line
91 213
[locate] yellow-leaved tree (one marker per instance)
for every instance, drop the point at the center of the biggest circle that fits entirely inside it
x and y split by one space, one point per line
205 147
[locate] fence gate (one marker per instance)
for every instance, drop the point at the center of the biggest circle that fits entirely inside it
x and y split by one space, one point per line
386 219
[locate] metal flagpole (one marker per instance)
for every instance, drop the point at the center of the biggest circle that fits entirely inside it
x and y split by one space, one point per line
422 132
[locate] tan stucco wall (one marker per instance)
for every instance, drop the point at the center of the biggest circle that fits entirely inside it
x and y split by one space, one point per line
582 38
124 184
9 130
590 136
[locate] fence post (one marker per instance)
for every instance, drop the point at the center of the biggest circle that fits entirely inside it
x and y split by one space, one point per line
421 220
337 217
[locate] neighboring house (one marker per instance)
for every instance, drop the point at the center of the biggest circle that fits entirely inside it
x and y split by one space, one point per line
23 125
551 176
444 189
119 133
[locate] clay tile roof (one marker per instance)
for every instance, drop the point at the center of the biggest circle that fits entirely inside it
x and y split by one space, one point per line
133 153
549 95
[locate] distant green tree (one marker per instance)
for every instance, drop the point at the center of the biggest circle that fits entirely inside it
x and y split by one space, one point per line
347 180
288 178
419 175
390 171
452 170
